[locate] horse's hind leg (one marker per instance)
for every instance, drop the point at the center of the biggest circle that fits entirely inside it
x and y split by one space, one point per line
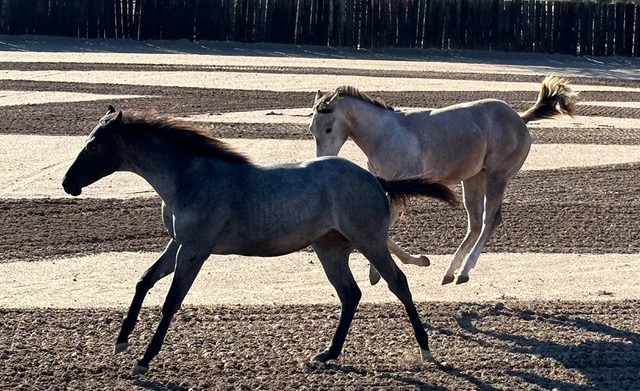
403 256
492 217
398 284
473 192
333 251
160 269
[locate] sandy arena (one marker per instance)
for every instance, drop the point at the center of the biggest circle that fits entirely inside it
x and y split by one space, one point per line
553 303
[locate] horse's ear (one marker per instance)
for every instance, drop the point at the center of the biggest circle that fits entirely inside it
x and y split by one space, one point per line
115 120
111 109
318 96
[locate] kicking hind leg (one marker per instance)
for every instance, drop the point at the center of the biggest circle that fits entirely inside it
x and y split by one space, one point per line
333 252
404 256
473 193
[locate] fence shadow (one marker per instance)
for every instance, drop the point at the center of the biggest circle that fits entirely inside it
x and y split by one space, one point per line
607 67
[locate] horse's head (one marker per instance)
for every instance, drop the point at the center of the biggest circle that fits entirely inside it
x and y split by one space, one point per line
99 157
328 126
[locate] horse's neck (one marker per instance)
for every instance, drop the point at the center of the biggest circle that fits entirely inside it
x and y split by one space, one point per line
369 124
160 165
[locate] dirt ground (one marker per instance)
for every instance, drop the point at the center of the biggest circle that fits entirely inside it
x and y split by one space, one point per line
502 344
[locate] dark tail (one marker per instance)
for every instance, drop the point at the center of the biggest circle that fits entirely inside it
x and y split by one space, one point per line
401 190
555 99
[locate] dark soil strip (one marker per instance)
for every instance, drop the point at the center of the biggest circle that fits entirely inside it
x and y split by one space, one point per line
488 346
78 118
592 210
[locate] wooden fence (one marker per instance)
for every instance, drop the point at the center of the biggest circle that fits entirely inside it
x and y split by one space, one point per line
578 27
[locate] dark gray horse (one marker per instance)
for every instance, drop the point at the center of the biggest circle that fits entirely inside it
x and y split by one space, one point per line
215 201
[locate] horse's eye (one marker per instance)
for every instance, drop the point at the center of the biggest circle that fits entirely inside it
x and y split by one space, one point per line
328 130
92 147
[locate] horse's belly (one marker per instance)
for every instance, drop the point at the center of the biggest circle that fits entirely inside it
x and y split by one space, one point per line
263 244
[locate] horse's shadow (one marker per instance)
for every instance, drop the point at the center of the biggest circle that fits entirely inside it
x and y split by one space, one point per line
611 347
398 379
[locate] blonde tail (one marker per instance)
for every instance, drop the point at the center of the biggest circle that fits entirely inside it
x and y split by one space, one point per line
555 99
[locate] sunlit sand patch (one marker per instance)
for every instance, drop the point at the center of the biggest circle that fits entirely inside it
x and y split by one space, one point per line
33 166
15 98
281 82
108 280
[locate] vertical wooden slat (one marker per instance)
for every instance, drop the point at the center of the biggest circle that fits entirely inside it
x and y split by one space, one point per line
611 21
618 35
636 34
250 22
599 33
585 31
629 17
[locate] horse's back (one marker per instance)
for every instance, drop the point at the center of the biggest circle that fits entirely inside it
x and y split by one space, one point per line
457 140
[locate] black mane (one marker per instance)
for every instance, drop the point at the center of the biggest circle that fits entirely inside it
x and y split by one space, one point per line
181 134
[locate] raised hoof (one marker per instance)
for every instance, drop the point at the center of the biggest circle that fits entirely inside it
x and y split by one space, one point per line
462 280
139 370
447 280
121 347
423 261
374 276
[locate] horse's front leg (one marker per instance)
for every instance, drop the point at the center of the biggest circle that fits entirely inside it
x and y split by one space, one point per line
333 252
160 269
189 261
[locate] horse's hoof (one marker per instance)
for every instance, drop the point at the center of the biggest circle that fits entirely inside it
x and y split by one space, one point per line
428 357
374 276
320 357
447 279
423 261
323 356
139 370
462 280
121 347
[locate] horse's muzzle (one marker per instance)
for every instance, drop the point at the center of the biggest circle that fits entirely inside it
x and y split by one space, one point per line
71 189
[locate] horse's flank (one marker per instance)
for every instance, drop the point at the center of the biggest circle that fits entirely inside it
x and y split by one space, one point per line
181 134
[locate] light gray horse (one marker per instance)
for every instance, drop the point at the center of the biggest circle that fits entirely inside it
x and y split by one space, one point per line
215 201
482 144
